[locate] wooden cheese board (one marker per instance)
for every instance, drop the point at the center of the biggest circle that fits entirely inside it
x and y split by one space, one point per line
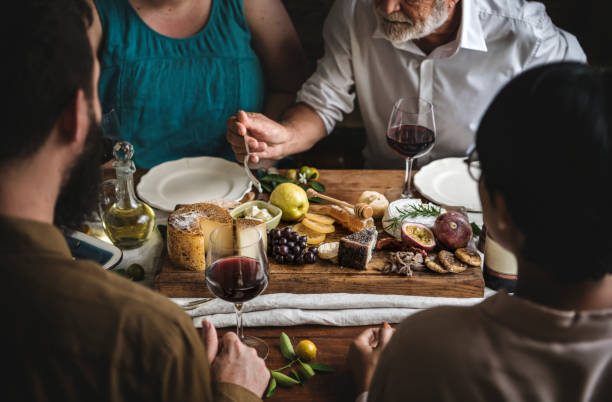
327 277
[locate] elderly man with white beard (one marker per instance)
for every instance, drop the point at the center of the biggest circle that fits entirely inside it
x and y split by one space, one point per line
455 54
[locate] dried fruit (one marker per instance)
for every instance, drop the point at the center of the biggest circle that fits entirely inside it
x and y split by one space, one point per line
417 235
318 227
312 237
452 230
324 219
306 350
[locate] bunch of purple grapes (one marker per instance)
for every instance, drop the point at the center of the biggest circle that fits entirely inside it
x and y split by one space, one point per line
288 247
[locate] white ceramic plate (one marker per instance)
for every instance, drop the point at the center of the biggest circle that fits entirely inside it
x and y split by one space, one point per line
87 247
191 180
447 182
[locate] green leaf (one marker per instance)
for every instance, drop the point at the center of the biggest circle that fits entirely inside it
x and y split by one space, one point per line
271 387
296 376
284 380
317 186
267 187
276 177
475 229
306 370
286 347
316 199
322 367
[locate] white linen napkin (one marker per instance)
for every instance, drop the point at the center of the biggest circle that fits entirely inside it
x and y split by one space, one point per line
333 309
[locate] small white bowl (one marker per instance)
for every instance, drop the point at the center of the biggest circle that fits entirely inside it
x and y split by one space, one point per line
273 209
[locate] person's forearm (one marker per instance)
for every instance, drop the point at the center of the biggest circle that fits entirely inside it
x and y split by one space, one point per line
277 102
305 126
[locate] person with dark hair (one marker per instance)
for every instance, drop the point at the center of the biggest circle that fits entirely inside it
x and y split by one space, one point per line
74 331
545 153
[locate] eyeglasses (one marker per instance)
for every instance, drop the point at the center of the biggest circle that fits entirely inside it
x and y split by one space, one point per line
473 163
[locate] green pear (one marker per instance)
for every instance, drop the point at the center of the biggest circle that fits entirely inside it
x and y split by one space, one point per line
291 199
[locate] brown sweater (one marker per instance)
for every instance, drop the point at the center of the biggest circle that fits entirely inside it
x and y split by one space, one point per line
503 349
76 332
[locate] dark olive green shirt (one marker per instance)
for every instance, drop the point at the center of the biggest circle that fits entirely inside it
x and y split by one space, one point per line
73 331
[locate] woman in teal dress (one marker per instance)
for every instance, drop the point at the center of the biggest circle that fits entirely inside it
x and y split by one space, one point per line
175 70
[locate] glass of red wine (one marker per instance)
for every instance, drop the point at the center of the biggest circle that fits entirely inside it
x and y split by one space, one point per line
411 133
237 271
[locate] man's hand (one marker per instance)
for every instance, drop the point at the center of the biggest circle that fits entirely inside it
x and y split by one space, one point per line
239 364
236 363
364 352
266 138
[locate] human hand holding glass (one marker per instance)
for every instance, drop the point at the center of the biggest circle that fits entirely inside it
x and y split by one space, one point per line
237 271
411 133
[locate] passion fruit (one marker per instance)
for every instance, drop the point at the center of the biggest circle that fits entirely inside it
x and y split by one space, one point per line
417 235
453 230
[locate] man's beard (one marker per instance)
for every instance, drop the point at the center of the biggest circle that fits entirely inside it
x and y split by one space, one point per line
79 194
397 27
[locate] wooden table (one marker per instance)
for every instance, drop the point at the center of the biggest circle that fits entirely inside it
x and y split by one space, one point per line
332 342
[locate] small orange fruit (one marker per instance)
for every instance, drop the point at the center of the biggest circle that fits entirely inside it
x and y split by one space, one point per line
306 350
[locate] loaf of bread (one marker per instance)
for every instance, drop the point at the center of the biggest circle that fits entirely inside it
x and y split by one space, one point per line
188 233
347 218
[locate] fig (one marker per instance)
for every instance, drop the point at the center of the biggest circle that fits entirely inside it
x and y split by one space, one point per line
453 230
417 235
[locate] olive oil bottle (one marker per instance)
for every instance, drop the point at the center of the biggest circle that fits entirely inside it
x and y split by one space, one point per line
128 222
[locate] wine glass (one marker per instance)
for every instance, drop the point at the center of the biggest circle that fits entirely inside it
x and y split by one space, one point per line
411 133
237 271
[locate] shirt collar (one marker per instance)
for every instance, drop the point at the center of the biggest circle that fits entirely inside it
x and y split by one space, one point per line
25 236
545 323
470 34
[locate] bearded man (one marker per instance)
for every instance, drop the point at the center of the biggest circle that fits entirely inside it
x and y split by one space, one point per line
455 54
74 331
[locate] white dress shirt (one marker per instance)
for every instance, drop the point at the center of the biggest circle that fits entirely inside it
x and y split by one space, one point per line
497 39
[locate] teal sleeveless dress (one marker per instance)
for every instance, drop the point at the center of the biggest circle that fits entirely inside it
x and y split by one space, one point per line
173 96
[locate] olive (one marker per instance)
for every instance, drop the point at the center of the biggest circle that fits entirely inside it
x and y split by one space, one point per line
136 272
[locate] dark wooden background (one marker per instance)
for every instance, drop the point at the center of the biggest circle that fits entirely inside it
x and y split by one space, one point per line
587 19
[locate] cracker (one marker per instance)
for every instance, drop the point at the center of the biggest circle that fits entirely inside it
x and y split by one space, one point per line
449 262
468 256
433 264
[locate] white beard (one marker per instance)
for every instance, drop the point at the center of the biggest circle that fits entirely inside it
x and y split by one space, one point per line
404 29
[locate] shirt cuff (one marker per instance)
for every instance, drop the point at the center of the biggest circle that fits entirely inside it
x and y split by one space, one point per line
363 397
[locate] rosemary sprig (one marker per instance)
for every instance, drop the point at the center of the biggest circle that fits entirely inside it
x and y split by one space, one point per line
412 211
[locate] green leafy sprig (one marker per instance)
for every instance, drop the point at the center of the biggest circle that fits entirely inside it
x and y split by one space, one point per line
270 181
412 211
296 377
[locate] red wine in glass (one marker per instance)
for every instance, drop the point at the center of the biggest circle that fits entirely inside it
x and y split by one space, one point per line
237 271
236 279
411 133
410 141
